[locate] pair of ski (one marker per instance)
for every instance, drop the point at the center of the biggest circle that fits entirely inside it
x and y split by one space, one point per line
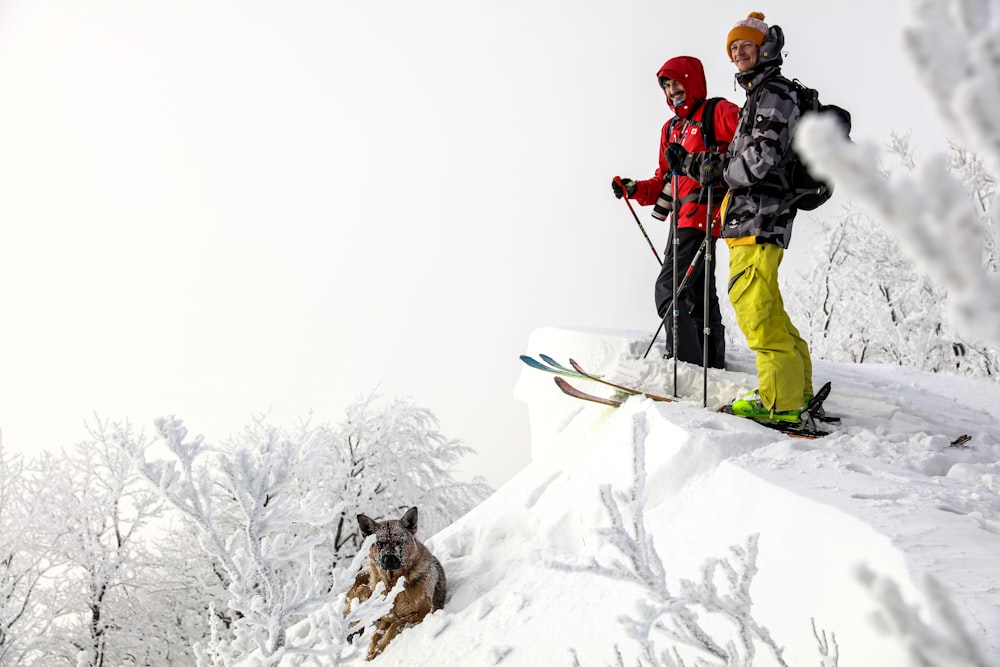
552 366
814 410
806 428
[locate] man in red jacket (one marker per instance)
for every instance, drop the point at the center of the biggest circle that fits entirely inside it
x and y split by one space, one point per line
683 82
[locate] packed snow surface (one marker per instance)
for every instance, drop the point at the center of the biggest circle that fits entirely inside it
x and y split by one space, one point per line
885 499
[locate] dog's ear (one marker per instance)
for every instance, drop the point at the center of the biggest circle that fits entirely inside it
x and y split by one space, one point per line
409 520
366 524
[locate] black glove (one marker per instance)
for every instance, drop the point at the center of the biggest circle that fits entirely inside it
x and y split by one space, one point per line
677 158
710 170
622 186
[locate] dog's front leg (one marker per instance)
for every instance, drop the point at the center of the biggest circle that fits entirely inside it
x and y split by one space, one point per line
391 626
388 627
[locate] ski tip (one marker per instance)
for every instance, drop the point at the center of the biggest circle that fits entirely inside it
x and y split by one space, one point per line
570 390
531 361
555 364
960 440
537 365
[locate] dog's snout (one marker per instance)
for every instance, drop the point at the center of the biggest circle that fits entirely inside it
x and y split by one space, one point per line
391 562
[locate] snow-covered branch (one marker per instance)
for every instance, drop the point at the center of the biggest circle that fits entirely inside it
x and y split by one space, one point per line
931 213
664 624
941 226
940 639
252 520
958 42
829 651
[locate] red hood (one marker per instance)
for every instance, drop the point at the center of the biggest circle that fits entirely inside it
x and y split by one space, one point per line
690 72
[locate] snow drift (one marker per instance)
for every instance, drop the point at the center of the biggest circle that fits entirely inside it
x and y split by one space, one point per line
836 524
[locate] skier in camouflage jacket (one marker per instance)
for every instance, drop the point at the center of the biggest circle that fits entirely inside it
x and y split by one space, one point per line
762 147
757 225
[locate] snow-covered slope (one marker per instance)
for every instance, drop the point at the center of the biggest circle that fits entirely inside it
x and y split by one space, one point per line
885 495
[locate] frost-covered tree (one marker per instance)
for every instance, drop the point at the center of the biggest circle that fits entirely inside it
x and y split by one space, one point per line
254 522
387 457
30 527
941 228
863 300
104 558
275 510
240 551
82 581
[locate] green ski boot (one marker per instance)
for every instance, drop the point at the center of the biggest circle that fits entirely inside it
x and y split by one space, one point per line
751 406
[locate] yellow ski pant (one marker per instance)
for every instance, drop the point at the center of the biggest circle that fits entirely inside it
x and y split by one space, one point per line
784 369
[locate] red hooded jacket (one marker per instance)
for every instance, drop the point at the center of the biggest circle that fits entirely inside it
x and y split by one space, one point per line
686 131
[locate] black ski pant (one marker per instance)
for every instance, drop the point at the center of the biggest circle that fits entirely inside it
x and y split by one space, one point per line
691 316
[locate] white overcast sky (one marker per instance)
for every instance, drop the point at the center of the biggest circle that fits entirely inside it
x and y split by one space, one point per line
217 208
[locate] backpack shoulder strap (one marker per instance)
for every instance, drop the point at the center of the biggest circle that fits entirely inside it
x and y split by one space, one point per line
708 123
670 127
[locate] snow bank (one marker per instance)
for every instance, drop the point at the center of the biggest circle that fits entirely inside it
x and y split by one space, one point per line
886 491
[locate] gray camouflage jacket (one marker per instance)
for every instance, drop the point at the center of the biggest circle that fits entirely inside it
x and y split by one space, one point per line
760 149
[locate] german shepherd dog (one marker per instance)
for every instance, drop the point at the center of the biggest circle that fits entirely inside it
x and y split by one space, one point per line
397 553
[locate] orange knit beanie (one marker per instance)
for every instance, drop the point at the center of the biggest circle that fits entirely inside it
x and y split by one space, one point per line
752 28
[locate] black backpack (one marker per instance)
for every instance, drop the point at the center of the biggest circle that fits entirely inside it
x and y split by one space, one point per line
806 191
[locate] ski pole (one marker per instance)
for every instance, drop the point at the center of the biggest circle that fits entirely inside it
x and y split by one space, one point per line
705 320
641 228
680 288
677 245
